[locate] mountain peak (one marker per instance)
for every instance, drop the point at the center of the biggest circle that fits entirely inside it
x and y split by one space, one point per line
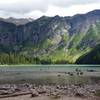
97 11
17 21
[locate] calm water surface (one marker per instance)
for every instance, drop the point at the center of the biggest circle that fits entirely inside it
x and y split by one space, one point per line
44 74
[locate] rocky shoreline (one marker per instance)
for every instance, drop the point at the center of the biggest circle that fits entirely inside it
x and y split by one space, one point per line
45 84
53 91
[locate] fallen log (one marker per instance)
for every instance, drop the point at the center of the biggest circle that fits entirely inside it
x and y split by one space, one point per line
14 94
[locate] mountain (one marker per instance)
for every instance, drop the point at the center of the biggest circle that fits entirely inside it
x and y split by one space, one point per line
92 57
20 21
51 39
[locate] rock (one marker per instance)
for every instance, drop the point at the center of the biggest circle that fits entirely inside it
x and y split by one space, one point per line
81 73
59 75
41 91
71 73
58 87
55 95
79 95
91 70
34 94
4 92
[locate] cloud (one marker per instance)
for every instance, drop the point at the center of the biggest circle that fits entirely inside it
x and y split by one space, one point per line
72 10
66 3
23 6
37 8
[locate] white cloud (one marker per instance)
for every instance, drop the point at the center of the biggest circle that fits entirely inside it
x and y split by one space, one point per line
37 8
23 6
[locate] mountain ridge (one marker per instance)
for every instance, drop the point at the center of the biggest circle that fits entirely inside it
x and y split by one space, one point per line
17 21
47 37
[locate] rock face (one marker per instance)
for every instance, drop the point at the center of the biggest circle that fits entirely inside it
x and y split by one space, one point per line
79 32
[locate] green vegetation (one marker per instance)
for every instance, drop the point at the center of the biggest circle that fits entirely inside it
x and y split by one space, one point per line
72 49
93 57
46 43
57 57
65 37
16 59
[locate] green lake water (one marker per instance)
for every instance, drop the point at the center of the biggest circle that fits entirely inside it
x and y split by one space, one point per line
48 74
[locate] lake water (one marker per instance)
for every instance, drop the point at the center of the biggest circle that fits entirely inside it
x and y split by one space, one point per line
44 74
62 68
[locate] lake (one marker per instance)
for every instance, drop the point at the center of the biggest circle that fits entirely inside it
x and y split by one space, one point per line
48 74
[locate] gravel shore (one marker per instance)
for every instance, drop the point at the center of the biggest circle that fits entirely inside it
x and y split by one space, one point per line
49 85
27 97
47 92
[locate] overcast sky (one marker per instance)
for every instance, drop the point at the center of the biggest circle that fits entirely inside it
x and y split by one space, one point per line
37 8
